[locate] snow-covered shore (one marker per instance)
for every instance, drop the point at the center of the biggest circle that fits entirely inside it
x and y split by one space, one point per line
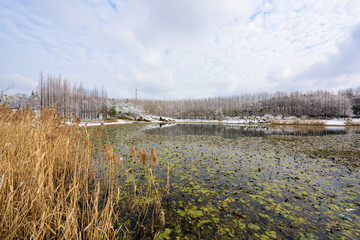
333 122
93 124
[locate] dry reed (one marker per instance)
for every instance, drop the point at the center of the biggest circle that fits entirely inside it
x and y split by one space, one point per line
47 177
297 122
143 157
154 157
111 120
352 123
167 181
48 188
132 151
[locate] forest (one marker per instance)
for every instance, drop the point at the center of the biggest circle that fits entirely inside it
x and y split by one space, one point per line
53 91
94 103
313 104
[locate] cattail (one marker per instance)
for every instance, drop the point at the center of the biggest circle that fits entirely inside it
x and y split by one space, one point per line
143 158
162 217
133 152
154 157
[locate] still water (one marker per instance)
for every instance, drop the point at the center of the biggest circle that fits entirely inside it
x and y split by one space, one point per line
283 186
232 131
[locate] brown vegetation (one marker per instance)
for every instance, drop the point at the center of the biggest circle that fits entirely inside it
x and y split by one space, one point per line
132 151
352 123
143 157
297 122
111 120
48 188
154 157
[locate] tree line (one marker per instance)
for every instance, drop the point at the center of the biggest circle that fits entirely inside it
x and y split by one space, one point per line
69 99
93 103
75 99
314 104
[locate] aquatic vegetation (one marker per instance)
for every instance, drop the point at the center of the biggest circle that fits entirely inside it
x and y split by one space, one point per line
267 187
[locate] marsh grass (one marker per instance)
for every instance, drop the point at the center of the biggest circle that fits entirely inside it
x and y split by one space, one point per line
352 123
111 120
50 189
297 122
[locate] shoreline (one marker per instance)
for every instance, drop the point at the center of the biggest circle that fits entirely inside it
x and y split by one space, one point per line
242 122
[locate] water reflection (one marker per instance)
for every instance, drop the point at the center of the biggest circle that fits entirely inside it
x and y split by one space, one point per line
232 131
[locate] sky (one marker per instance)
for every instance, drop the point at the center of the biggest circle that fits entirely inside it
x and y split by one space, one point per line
175 49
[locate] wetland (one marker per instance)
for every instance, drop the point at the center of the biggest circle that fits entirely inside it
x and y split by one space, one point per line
228 182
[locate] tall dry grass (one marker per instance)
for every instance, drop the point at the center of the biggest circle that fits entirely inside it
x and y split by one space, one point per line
352 123
297 122
48 188
46 179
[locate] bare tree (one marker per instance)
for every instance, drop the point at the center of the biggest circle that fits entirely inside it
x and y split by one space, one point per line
2 95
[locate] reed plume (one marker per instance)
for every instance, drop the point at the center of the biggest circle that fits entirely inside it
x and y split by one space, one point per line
111 155
153 157
143 157
132 151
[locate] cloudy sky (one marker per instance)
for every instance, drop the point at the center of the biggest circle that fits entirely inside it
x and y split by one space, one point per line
172 49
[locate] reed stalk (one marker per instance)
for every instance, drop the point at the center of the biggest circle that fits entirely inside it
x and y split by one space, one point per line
167 181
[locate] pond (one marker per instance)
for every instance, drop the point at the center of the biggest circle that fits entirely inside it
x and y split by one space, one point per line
235 131
267 187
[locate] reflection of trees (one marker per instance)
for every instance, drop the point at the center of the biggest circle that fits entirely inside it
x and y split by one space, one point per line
236 131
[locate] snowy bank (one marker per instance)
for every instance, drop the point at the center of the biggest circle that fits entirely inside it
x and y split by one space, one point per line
252 121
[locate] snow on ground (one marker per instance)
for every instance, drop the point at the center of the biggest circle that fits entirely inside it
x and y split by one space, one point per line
333 122
92 124
228 121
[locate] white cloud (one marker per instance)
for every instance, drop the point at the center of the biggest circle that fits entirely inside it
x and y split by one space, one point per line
337 70
16 82
180 49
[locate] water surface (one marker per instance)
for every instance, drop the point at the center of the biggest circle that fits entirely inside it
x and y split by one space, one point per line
235 131
244 187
